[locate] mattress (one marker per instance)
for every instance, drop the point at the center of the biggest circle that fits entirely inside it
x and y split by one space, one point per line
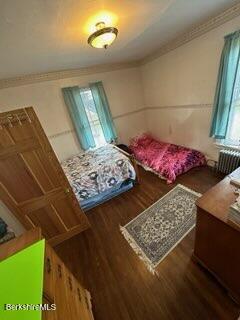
98 172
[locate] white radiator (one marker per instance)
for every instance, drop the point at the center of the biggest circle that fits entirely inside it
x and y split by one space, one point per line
228 161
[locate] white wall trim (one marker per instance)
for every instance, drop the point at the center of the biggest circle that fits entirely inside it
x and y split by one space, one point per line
129 113
114 117
187 106
59 134
195 32
190 106
58 75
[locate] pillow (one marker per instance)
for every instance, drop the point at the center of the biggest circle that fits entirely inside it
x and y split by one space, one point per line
142 140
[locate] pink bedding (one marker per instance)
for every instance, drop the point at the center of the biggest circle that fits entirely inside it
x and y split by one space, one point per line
168 160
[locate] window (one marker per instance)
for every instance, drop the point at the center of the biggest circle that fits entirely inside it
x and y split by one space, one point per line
226 107
92 115
233 134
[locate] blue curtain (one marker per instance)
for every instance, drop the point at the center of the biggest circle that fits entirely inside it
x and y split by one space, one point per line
227 79
103 110
79 117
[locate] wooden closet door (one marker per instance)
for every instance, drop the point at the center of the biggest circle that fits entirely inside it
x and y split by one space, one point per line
32 182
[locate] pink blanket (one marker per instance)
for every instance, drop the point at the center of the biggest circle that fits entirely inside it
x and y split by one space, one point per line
168 160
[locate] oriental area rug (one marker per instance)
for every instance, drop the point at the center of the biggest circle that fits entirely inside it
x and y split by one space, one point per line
158 229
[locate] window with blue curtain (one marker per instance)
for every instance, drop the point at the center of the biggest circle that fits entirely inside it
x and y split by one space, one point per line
91 115
226 108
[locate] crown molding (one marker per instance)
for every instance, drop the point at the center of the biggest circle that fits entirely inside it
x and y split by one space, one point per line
195 32
58 75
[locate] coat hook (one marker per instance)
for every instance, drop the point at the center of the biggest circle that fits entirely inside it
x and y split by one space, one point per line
30 121
19 121
9 121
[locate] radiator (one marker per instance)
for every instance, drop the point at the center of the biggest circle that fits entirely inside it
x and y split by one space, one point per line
228 161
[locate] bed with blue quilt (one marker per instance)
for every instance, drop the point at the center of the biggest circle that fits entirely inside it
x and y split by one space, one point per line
100 174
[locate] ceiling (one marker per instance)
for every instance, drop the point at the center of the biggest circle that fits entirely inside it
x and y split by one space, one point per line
39 36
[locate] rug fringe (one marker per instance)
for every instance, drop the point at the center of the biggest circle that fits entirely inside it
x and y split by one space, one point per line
137 250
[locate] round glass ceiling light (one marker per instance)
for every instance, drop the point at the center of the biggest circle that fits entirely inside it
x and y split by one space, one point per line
103 37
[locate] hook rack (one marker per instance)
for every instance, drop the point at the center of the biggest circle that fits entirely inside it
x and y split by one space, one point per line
12 118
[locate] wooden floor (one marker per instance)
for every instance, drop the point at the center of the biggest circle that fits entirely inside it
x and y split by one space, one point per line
120 284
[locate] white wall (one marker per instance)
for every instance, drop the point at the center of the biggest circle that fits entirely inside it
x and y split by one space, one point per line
124 92
179 89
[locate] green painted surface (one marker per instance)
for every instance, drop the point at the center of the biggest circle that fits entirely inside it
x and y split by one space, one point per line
21 282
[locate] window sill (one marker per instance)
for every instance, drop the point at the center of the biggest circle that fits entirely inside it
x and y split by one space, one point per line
227 146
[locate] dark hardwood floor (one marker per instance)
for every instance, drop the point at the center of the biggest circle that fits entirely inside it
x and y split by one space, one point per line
120 284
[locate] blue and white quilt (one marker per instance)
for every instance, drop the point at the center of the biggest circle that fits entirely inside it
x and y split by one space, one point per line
96 171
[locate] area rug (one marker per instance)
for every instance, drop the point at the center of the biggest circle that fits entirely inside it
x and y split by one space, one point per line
158 229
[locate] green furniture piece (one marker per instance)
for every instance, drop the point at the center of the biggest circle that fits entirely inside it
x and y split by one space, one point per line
34 277
21 283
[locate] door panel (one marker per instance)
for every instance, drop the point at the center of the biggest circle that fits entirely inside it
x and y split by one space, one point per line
65 212
48 167
32 182
34 164
13 174
46 219
6 140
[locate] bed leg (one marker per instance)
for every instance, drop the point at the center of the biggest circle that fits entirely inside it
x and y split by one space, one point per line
135 165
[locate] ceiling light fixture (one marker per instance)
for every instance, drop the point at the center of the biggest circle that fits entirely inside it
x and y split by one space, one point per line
103 37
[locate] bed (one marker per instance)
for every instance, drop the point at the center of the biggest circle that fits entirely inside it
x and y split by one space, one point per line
100 174
165 159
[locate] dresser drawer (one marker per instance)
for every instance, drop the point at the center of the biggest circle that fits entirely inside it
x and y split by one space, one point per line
48 315
49 271
62 288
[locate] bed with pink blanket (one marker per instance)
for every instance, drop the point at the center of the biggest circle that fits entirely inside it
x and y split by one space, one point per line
165 159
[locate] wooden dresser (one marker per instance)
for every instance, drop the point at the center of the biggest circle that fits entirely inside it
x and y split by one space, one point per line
52 284
217 243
